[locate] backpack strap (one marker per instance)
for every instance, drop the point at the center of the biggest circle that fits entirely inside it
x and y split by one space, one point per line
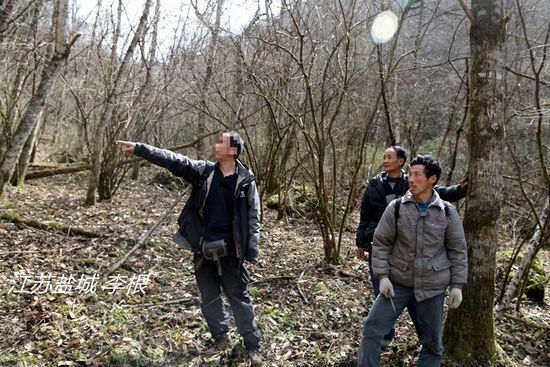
396 211
446 204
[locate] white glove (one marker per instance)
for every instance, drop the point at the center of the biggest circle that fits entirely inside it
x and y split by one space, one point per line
386 288
455 298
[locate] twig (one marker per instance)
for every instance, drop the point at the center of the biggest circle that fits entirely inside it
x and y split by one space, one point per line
524 181
467 11
526 322
327 354
278 277
174 301
18 252
298 285
146 235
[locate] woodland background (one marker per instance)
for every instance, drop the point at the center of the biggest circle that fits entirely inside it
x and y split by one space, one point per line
317 103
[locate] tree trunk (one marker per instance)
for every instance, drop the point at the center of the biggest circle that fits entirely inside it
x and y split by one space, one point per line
142 118
5 11
28 148
30 118
210 57
485 139
97 152
529 255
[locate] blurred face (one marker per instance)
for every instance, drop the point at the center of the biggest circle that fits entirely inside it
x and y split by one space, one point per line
223 148
392 164
419 184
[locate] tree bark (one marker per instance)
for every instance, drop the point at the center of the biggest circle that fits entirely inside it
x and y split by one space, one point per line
28 149
30 118
5 11
485 138
97 152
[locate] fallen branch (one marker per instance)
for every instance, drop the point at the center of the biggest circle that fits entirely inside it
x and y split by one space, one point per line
349 274
187 301
146 235
67 230
298 285
526 322
278 277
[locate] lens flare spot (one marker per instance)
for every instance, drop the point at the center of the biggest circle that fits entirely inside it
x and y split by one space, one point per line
384 26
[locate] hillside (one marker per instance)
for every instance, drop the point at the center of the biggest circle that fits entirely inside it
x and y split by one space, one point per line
310 313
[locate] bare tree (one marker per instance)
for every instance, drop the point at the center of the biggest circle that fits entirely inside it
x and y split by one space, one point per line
49 74
107 114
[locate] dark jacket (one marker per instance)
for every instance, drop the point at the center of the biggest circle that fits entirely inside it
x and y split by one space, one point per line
199 173
426 251
374 203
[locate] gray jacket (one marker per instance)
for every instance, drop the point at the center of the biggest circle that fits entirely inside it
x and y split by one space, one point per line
429 251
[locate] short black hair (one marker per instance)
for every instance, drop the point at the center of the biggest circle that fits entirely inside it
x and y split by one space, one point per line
236 141
431 166
401 153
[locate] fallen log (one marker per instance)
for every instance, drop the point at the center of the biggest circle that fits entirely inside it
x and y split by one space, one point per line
526 322
68 230
72 168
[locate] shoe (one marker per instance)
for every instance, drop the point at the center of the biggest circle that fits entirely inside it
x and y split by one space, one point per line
219 344
255 357
386 343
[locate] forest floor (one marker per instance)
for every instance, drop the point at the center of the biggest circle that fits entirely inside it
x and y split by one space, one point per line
310 313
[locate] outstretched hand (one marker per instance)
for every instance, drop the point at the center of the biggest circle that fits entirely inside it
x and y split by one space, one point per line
128 146
464 181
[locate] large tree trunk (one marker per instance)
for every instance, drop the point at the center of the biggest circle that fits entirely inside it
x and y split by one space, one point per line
485 139
30 118
97 153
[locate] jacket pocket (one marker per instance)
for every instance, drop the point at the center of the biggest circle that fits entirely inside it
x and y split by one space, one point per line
440 264
438 275
399 264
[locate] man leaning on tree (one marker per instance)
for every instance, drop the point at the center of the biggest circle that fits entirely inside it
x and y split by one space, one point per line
391 184
418 250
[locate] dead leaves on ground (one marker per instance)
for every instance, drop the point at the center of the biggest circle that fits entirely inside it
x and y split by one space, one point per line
310 313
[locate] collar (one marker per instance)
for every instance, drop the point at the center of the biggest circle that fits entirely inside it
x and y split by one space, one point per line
435 200
385 175
219 170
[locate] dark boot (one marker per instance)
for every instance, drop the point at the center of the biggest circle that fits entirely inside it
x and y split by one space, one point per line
219 344
255 357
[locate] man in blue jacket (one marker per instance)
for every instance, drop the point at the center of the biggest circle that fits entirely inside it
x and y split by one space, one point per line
391 184
222 211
